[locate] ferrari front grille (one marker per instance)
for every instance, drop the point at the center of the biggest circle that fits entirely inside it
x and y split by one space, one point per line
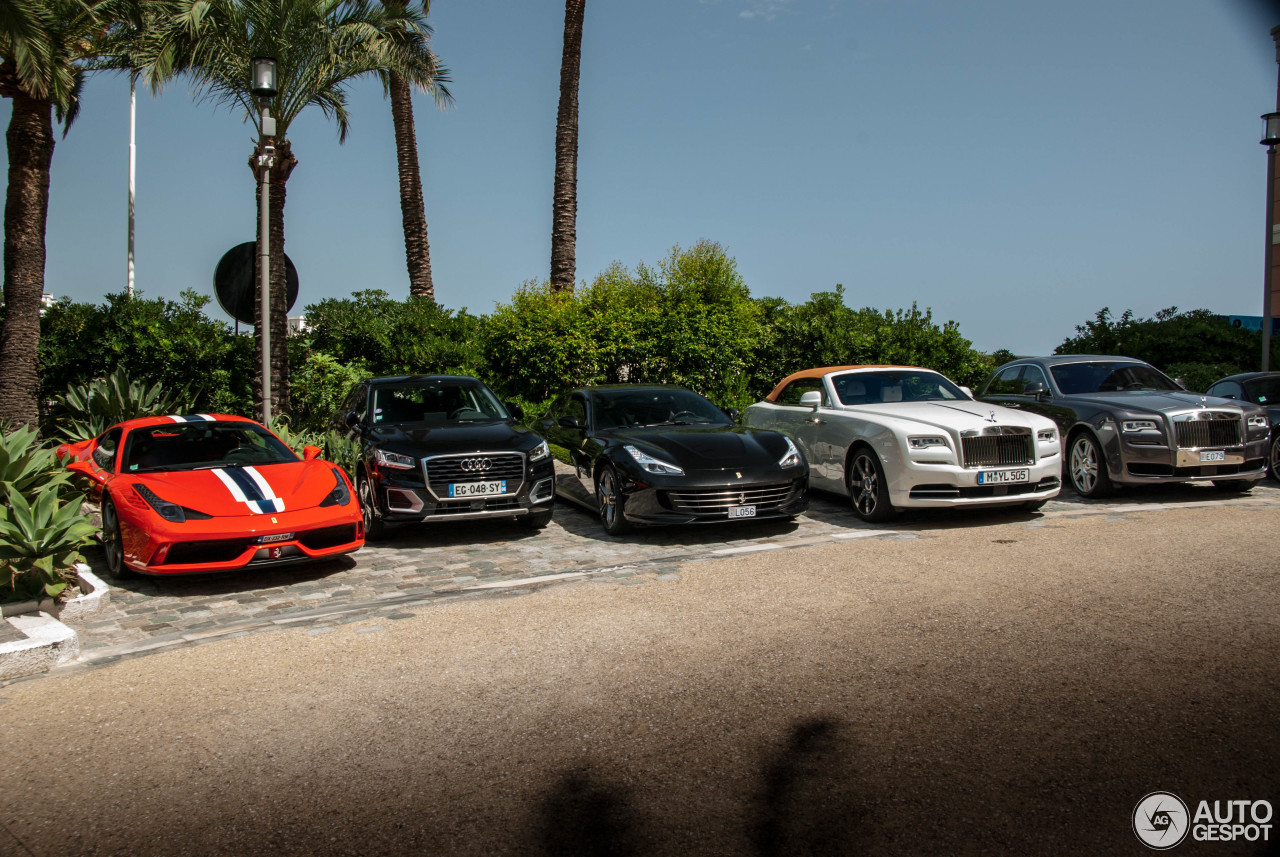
328 537
204 552
718 501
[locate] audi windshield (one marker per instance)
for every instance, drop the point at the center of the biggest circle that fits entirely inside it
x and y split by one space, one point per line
436 402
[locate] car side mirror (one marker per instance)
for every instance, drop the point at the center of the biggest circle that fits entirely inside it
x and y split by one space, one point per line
352 420
310 452
84 468
967 391
811 399
569 423
1183 384
1037 390
517 412
732 413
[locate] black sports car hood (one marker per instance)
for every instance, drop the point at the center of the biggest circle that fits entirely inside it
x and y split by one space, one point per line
1160 402
421 440
707 447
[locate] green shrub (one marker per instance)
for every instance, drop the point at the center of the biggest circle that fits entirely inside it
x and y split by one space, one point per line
39 545
1198 377
317 387
28 467
87 410
1169 339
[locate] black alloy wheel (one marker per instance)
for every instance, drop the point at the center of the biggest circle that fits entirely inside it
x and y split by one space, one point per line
1274 459
374 527
1086 467
112 546
868 489
612 502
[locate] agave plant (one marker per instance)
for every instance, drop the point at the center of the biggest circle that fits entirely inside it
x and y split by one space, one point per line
28 468
39 545
87 410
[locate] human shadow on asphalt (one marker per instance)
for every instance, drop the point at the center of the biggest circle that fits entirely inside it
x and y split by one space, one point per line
806 802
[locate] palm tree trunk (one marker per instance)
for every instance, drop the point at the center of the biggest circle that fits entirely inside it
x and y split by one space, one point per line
564 209
279 324
417 251
26 209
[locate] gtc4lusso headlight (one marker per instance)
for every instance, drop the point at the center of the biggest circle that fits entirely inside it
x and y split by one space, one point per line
340 495
927 442
653 465
792 458
1139 425
540 452
1258 421
393 459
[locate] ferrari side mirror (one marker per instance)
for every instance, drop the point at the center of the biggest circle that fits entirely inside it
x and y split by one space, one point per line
569 423
310 452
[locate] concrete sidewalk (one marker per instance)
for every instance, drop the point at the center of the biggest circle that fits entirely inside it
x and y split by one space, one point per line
1006 689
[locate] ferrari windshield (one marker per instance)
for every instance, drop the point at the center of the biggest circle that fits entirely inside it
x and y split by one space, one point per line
654 406
876 388
1110 376
1264 391
203 445
436 402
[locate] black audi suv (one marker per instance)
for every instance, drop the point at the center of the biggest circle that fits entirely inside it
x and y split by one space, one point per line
440 448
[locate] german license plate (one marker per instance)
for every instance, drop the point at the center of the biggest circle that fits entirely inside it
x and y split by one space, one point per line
1213 455
1002 477
742 511
477 489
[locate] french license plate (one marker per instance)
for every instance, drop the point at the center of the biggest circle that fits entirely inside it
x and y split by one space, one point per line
1213 455
1002 477
278 537
742 511
477 489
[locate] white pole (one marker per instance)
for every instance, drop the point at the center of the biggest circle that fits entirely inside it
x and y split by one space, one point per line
133 113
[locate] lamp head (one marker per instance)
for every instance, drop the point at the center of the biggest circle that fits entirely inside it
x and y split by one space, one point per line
1270 129
263 84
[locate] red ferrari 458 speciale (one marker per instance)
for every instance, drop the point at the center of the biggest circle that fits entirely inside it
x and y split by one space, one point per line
212 492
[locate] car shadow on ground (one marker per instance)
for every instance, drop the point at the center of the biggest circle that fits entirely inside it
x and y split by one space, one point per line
579 521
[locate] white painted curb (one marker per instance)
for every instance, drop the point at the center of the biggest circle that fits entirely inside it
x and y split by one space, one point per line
94 597
48 643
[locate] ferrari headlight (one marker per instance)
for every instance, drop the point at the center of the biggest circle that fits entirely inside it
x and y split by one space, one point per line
539 452
1047 435
393 460
169 511
927 442
1139 425
792 458
340 495
653 465
1258 421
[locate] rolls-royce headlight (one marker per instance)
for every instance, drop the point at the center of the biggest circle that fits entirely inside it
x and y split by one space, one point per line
1047 435
1139 425
393 459
540 452
792 458
927 442
1259 421
653 465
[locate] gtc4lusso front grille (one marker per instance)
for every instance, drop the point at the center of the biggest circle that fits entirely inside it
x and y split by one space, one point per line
1214 428
718 501
1009 448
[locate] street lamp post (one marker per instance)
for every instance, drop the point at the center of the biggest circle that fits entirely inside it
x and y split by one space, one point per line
1270 138
264 88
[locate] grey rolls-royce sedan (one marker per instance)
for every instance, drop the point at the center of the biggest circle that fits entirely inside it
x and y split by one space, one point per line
1123 422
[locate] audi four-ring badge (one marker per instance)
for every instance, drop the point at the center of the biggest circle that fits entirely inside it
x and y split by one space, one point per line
438 448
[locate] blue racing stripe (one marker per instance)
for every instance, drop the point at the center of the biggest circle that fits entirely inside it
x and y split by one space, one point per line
250 488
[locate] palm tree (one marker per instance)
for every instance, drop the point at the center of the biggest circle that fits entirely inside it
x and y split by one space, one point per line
564 206
44 49
408 36
319 47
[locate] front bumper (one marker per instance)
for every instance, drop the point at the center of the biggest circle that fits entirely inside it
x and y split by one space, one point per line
1146 464
712 499
929 486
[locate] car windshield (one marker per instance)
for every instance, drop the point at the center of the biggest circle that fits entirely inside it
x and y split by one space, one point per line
436 402
203 446
875 388
1109 376
1264 391
654 407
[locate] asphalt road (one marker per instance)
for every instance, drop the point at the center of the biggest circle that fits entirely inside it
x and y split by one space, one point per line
1013 688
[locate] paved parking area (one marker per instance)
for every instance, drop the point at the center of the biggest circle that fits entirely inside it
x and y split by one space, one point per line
418 565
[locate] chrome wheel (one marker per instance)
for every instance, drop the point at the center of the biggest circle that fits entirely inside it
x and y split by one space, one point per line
1088 471
1275 457
368 508
111 544
611 503
867 489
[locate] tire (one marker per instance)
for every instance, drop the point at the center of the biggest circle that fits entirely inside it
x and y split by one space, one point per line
611 502
374 527
112 545
1086 468
535 521
1274 459
1234 486
868 489
1034 505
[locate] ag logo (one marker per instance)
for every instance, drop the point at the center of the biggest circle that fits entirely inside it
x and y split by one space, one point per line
1161 820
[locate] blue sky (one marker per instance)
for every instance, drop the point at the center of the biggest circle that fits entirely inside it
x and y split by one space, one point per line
1013 165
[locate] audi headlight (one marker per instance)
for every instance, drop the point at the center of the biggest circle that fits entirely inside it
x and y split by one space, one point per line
1047 435
340 495
540 452
1139 425
1258 421
653 465
927 442
169 511
792 458
393 460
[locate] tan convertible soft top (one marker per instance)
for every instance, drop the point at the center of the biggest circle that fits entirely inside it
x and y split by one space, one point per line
819 372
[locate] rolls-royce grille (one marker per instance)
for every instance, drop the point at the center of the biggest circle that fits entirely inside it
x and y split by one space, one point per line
1000 450
477 467
718 501
1196 434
